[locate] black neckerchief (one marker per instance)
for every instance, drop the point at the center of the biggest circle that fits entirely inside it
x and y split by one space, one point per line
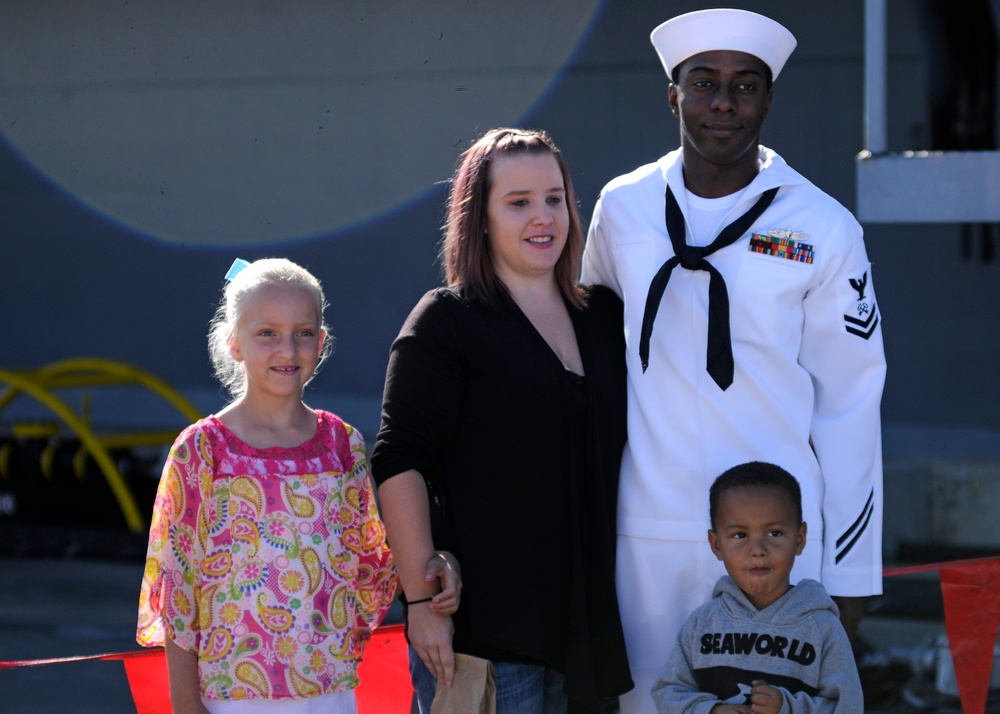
719 357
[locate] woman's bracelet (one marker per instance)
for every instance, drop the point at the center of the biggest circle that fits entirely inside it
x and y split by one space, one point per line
416 602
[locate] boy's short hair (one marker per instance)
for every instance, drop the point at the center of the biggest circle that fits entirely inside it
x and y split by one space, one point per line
754 474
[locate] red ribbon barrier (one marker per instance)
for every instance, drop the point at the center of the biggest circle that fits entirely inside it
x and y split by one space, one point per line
384 674
971 593
147 680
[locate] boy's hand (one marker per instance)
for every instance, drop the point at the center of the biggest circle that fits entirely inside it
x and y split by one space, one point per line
764 698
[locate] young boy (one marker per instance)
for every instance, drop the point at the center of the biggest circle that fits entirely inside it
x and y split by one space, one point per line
760 646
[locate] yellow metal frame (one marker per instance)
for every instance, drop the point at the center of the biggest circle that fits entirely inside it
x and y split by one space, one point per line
82 373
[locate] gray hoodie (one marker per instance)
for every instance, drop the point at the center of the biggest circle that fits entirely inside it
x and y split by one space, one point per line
796 644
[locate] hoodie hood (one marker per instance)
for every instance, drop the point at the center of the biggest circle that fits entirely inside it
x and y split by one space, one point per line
798 604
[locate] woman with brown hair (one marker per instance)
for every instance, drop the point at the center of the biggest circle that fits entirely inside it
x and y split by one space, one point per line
503 424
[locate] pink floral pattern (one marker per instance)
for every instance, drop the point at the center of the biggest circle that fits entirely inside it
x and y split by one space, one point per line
270 564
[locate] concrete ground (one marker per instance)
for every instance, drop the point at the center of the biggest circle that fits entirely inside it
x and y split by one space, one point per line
64 608
82 601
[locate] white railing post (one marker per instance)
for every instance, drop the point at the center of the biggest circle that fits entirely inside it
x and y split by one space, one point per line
876 53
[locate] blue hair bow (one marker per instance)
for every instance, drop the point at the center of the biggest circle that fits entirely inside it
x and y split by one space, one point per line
236 268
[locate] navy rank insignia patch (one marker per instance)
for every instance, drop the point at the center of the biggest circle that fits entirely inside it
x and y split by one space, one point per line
783 244
857 300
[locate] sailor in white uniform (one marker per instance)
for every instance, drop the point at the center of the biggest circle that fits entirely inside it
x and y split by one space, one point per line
753 333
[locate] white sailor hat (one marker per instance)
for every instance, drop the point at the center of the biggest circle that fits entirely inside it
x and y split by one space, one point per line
722 29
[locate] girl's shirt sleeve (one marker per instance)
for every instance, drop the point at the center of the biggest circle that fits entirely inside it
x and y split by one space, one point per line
170 592
365 535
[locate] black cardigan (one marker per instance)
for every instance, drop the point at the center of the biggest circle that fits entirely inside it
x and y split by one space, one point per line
521 458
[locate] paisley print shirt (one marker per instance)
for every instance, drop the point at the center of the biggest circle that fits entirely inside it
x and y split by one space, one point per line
270 564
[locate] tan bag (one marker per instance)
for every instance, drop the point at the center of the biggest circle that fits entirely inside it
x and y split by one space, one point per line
473 692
